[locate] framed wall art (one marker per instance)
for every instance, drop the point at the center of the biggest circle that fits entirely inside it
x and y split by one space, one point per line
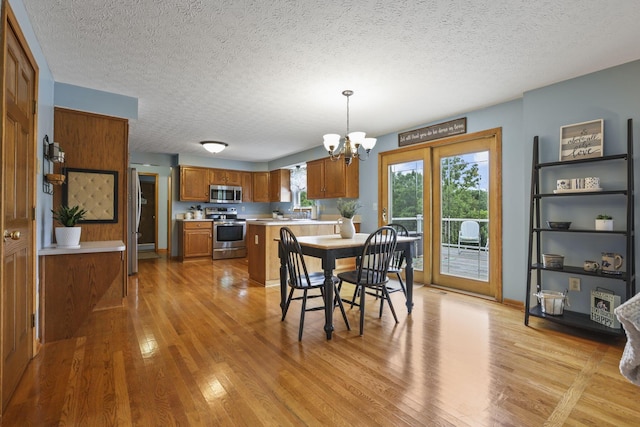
582 140
96 191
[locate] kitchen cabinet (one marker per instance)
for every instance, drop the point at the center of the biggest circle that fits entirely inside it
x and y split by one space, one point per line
247 186
194 184
225 177
327 179
280 185
261 187
195 239
617 196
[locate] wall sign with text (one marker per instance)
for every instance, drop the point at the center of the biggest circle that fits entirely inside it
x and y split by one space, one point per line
582 140
441 130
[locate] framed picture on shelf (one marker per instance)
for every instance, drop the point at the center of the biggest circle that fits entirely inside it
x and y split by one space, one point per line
603 302
582 140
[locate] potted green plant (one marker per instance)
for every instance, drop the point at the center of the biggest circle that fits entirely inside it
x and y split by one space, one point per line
604 222
68 236
347 209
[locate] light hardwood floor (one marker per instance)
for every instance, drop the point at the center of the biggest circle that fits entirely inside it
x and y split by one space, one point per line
198 344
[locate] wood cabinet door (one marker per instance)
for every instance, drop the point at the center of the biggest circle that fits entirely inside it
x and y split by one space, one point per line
234 178
225 177
280 185
247 186
274 186
315 180
218 176
261 187
335 178
194 184
198 243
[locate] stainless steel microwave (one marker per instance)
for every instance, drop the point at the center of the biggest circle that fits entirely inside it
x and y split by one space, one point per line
225 194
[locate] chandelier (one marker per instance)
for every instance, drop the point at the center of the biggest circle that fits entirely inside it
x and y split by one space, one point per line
352 142
214 146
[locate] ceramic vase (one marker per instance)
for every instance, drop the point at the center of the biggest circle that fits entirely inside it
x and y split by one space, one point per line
68 237
347 229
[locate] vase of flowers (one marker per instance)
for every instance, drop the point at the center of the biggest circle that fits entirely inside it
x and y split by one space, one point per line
68 236
347 209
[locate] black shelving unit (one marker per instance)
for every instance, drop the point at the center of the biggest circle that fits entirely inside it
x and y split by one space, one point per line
536 231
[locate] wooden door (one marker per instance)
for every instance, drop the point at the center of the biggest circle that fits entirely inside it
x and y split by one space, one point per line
466 190
148 228
444 263
397 204
315 180
18 206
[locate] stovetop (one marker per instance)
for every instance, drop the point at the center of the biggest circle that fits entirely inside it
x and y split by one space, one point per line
222 215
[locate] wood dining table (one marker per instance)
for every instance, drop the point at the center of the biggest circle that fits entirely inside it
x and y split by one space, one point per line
331 247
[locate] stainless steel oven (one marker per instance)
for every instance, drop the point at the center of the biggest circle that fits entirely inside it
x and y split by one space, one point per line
229 239
229 233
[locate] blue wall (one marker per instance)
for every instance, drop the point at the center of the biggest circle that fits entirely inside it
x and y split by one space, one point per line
612 94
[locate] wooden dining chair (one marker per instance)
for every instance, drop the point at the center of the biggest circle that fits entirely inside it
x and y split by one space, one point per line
397 262
395 267
298 278
371 275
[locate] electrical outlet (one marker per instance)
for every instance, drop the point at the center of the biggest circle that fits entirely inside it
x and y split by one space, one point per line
574 284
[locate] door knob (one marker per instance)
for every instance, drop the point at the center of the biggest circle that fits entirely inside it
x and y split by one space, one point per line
13 235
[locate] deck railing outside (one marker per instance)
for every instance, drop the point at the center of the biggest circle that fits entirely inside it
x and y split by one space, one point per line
466 260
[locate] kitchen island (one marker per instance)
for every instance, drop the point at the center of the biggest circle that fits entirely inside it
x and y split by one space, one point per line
262 247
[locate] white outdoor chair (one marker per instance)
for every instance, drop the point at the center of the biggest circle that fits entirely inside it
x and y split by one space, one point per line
469 234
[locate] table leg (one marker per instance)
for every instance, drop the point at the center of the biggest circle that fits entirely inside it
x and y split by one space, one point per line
408 271
328 265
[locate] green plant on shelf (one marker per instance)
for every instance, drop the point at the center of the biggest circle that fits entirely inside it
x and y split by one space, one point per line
68 216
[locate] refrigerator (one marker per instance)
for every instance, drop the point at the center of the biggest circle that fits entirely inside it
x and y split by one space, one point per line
134 200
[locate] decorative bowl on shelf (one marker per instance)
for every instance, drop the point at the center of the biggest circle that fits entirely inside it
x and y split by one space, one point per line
559 225
55 178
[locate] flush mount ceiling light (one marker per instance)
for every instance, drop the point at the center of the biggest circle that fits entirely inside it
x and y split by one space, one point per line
214 146
352 142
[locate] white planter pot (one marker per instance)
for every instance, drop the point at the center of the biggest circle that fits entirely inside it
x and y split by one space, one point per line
604 224
347 229
68 237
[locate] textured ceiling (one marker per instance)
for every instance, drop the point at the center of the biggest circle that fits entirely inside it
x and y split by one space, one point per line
267 76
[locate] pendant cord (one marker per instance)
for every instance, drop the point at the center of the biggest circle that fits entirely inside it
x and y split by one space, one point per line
347 117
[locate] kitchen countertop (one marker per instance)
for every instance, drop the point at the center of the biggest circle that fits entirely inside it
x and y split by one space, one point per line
85 248
286 221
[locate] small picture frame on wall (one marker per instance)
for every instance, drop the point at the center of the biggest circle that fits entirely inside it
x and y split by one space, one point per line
582 140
